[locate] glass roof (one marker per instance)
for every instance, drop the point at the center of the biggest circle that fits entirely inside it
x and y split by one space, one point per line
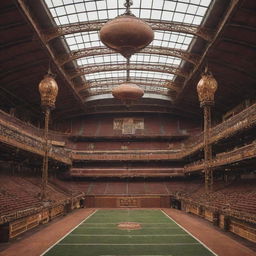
189 12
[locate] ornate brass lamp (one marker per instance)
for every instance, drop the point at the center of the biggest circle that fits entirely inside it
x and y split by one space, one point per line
206 89
127 92
126 33
48 89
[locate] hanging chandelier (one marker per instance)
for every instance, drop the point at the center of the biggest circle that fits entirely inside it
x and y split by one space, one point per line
126 34
127 92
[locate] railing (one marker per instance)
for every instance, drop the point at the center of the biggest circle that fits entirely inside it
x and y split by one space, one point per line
243 120
18 137
30 139
126 172
248 217
32 210
126 155
245 152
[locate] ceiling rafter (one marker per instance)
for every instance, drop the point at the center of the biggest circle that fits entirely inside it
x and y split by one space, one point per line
25 66
143 81
245 71
101 50
109 91
239 42
62 30
122 66
230 10
38 34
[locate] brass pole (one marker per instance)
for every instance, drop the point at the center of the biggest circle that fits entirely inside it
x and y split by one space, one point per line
207 149
45 160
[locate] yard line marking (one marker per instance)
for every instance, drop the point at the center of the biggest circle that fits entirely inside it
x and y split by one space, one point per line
128 235
142 228
189 233
82 244
153 223
68 233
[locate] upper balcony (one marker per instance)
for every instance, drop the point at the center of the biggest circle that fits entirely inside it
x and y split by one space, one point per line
26 137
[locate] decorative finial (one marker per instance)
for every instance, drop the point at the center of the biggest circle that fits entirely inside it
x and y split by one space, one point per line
128 4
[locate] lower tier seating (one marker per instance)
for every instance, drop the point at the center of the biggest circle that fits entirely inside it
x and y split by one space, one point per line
21 193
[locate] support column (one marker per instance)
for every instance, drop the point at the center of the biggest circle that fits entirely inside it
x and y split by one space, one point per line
207 149
45 160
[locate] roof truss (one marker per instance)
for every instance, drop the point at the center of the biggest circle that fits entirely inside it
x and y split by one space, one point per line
88 69
94 51
73 28
152 82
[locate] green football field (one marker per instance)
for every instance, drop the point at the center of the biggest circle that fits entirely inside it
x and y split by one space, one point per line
99 235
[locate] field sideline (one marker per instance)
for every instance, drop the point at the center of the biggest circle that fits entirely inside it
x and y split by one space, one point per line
99 235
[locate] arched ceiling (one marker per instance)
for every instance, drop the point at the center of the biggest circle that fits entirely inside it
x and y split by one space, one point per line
188 34
175 23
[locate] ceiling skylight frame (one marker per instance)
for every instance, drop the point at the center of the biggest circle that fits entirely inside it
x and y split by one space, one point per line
189 12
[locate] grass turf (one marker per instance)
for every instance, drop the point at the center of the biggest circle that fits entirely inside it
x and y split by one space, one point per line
100 236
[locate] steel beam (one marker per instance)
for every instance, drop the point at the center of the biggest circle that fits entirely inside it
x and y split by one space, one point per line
62 30
230 10
38 33
109 91
89 69
105 96
94 51
144 81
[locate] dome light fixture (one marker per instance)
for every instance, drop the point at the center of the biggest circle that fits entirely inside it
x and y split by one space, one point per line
126 34
128 91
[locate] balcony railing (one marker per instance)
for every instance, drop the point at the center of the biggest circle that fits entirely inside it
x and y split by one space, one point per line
18 134
126 172
236 155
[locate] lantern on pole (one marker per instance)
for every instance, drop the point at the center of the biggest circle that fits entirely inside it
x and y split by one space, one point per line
48 89
206 89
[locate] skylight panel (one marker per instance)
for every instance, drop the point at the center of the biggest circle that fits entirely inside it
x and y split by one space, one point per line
99 60
70 9
80 7
156 15
101 5
169 5
67 1
172 39
205 3
106 74
178 17
157 4
145 14
189 12
90 6
181 7
103 15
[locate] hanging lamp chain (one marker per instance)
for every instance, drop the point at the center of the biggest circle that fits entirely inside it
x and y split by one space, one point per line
127 5
49 72
128 69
